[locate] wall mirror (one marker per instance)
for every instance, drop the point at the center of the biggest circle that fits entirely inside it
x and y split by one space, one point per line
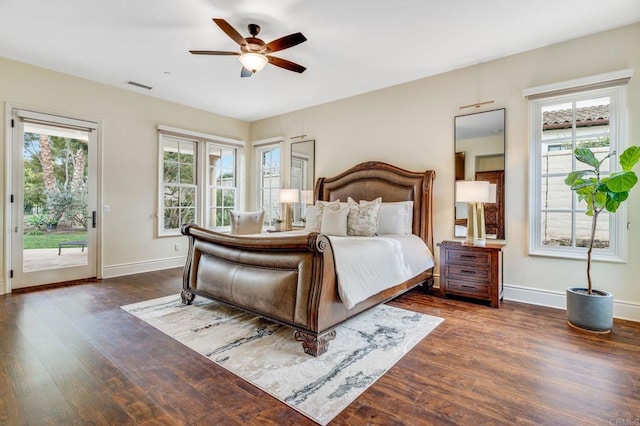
302 178
479 155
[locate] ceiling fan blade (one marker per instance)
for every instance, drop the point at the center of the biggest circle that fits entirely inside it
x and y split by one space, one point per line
230 31
213 52
285 42
245 72
287 65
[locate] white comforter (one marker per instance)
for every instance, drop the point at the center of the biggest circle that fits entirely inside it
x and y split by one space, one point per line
368 265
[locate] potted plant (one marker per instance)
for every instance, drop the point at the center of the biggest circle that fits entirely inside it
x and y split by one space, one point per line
587 308
278 223
52 224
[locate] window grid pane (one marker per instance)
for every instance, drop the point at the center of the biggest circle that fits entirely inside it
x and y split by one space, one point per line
270 184
581 123
221 184
182 169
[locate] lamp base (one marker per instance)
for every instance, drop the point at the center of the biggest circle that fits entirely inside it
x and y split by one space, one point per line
287 225
475 224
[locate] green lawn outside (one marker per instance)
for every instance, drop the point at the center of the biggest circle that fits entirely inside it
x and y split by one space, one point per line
51 239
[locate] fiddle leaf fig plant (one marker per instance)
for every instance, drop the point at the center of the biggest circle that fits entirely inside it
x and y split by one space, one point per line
602 193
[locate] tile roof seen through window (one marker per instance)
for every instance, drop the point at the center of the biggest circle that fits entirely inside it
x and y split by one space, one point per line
597 115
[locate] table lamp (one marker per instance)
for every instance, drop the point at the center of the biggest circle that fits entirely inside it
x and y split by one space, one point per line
475 194
288 196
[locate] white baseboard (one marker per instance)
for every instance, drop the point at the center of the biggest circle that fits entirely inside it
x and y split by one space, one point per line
3 287
144 266
555 299
534 296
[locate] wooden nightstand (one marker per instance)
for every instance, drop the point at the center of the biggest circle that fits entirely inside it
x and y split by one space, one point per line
471 271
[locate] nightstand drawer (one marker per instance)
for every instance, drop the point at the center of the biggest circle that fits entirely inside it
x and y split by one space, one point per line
478 272
468 256
467 288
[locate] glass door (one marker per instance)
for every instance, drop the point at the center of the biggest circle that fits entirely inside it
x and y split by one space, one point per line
54 209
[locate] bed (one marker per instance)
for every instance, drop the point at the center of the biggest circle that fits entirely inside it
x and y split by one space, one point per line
290 277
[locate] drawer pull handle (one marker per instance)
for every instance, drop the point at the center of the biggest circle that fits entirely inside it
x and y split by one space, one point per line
468 286
468 256
466 271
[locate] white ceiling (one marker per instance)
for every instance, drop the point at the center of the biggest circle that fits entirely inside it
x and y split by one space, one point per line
354 46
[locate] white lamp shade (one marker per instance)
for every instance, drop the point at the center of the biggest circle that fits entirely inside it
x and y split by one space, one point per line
254 62
473 191
289 195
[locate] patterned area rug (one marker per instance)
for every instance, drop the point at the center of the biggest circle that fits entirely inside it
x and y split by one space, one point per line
266 355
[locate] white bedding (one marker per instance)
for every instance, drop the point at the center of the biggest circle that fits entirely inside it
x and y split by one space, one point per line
368 265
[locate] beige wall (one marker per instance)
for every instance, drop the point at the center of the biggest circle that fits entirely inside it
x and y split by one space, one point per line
411 125
130 153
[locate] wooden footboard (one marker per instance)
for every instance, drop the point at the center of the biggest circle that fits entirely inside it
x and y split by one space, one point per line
290 280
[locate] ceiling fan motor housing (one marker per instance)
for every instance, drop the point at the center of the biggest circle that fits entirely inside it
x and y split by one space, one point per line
253 45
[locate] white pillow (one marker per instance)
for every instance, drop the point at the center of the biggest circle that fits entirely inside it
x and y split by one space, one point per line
363 218
334 222
310 219
396 218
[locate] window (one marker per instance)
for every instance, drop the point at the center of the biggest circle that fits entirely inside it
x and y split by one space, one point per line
560 124
269 178
179 186
198 182
222 189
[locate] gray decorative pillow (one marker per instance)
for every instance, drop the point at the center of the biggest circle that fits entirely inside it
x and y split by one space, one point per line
363 218
314 215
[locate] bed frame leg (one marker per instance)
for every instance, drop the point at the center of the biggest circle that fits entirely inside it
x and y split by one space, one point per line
314 345
187 297
427 286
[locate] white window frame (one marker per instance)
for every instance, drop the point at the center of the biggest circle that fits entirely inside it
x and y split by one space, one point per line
211 186
203 142
260 149
616 252
161 183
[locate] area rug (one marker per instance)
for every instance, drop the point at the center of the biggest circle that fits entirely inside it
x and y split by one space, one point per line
266 355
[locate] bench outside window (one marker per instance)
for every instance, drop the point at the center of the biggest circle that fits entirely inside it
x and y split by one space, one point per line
78 243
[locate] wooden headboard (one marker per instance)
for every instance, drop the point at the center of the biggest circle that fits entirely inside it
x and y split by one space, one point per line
373 179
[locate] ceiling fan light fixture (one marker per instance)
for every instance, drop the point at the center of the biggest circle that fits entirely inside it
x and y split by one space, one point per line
252 61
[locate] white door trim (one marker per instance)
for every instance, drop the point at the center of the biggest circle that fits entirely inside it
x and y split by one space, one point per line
8 174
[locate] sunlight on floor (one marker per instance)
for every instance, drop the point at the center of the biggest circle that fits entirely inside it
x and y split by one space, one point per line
43 259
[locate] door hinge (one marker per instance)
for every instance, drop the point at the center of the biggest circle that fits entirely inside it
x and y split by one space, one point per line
11 273
13 123
12 198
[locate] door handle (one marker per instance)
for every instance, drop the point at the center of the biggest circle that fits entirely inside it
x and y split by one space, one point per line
94 219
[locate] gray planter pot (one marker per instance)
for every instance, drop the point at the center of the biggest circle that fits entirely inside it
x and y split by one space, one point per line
592 312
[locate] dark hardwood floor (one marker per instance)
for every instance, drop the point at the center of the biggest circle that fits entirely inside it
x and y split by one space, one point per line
70 355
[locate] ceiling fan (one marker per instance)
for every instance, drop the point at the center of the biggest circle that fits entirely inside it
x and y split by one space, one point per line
254 53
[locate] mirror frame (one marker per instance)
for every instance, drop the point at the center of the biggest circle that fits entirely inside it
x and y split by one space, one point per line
307 182
491 162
